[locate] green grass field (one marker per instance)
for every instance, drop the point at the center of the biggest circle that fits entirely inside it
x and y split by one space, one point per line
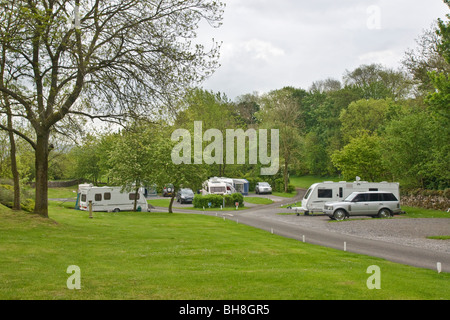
185 256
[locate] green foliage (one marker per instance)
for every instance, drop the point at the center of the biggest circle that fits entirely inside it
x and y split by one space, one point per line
361 157
415 148
217 200
7 197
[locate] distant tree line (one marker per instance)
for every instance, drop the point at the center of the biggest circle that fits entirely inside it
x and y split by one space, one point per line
376 122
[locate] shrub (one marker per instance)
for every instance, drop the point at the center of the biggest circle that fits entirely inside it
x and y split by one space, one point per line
231 199
217 200
7 197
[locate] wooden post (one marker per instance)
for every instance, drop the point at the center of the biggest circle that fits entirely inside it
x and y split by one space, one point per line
90 209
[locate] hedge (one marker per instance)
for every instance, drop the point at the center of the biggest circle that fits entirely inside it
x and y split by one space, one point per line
7 197
216 200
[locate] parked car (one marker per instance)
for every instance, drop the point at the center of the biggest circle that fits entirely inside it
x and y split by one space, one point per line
185 195
263 187
168 190
371 203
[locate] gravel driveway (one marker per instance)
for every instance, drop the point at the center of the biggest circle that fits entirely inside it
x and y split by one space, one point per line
401 230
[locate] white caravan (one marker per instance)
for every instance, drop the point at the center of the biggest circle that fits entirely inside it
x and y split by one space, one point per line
218 186
328 191
110 199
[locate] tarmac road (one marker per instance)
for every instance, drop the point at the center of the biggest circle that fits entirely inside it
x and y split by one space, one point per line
265 217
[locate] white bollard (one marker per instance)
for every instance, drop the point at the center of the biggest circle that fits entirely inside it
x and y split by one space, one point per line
303 238
439 267
345 246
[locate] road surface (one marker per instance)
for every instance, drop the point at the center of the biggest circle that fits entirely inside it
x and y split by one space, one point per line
266 217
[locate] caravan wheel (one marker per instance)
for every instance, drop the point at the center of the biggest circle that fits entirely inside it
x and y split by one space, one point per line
116 210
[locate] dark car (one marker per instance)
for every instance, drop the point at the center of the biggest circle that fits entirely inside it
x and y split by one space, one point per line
185 195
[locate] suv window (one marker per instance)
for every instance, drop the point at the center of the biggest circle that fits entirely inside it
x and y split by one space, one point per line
388 197
375 197
361 197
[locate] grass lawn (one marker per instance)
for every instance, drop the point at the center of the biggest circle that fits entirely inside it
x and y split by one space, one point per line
185 256
67 192
166 202
258 200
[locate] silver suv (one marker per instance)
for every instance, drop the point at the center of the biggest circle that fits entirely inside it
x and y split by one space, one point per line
371 203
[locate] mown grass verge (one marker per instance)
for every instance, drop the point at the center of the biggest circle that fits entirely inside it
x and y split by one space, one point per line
145 255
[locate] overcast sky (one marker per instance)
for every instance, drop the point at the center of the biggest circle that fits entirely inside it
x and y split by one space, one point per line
270 44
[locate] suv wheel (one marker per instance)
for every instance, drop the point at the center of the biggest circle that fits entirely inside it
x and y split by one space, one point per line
384 213
339 215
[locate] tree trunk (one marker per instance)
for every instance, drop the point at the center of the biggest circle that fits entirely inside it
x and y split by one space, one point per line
15 172
285 174
41 161
136 193
171 201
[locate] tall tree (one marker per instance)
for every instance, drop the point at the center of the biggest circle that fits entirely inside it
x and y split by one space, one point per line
378 82
8 28
130 160
214 111
361 157
281 110
116 60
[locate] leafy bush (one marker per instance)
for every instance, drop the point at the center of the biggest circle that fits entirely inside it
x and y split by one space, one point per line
7 197
217 200
231 199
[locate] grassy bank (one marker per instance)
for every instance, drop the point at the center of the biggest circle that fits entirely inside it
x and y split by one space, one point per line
185 256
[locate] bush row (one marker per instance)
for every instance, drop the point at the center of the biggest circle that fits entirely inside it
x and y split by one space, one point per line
217 200
7 197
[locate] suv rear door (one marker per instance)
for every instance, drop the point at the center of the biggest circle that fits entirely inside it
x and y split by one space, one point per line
360 205
375 202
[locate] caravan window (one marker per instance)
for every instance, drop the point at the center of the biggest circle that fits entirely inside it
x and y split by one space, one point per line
131 196
107 196
217 189
98 197
325 193
307 193
83 197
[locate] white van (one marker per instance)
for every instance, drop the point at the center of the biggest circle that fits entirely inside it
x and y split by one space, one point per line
110 199
320 193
